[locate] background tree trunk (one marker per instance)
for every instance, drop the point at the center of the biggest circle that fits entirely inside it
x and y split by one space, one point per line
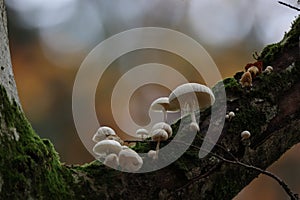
30 167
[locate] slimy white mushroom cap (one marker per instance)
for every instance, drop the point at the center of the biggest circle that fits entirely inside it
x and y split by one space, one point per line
142 133
162 102
102 133
268 69
193 97
159 135
164 126
106 147
186 93
112 160
245 135
231 114
162 105
129 160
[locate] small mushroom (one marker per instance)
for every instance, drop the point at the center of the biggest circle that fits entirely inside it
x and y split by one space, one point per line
231 115
142 132
186 94
157 136
246 79
258 64
106 147
268 69
151 154
112 161
129 160
102 133
245 135
162 105
254 71
164 126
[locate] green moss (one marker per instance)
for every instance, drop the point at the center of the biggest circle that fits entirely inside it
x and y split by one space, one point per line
289 41
30 167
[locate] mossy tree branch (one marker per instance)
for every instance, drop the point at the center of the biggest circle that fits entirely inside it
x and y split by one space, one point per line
30 167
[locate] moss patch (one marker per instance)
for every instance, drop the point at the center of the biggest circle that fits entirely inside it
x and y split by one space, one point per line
30 166
289 41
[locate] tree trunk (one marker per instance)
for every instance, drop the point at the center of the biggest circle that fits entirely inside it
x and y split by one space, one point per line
30 167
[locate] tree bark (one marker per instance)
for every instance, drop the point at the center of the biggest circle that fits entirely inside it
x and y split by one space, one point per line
30 167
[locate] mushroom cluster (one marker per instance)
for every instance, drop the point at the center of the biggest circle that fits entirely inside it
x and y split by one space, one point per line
187 98
251 71
109 149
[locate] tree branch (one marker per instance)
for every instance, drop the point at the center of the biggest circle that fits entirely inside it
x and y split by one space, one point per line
30 167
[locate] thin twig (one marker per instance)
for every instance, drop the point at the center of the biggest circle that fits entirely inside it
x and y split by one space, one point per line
286 188
288 5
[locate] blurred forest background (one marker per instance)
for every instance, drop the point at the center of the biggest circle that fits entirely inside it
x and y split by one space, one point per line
50 39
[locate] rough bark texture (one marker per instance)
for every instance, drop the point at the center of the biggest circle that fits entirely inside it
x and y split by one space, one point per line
6 75
30 167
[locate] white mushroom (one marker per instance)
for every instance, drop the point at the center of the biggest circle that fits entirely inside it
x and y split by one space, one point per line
106 147
157 136
268 69
162 105
129 160
112 161
194 97
142 132
102 133
164 126
245 135
151 154
230 115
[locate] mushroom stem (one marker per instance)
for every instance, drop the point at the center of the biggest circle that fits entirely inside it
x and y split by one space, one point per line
193 125
157 150
193 117
165 114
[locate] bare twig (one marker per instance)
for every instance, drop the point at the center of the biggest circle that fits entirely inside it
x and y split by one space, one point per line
288 5
235 161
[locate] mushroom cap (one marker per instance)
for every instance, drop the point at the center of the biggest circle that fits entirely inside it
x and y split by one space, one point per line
111 160
107 147
129 160
142 131
268 69
254 71
187 91
162 103
151 154
246 79
245 134
102 133
164 126
231 114
159 135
